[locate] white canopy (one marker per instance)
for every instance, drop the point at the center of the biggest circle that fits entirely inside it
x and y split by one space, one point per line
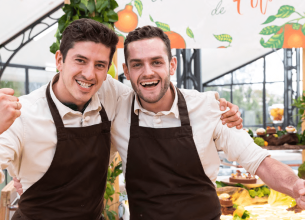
215 61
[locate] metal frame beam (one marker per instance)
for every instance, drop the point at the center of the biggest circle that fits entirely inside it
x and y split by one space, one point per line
289 94
188 78
29 38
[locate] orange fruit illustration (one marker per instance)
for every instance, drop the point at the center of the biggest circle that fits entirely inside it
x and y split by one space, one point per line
293 38
121 42
128 20
176 40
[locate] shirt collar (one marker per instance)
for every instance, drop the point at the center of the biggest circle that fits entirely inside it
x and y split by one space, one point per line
63 110
174 109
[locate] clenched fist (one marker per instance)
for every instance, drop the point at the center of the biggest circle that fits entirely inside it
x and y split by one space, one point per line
299 193
9 109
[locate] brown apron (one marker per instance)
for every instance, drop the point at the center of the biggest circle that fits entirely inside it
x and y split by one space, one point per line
73 186
165 179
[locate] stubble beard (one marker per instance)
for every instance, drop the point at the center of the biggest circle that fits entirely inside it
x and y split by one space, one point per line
159 96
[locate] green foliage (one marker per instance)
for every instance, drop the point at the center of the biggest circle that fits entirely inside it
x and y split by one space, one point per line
101 11
220 184
259 191
259 141
301 138
236 217
250 132
113 173
246 215
300 104
301 171
281 133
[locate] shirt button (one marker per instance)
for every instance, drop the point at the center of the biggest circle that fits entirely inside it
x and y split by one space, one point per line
158 121
87 118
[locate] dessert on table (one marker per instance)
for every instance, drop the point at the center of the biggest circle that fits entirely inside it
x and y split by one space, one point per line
238 177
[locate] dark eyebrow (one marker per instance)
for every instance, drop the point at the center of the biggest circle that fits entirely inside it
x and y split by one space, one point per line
139 60
156 58
81 56
85 58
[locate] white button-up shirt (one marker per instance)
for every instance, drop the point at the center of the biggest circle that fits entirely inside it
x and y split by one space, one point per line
209 134
27 148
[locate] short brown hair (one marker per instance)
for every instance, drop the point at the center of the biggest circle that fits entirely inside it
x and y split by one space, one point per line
87 30
147 32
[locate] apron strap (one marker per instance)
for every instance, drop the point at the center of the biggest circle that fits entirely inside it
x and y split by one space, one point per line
60 128
134 117
183 112
103 114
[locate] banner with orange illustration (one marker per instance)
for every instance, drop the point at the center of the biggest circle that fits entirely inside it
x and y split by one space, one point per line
218 23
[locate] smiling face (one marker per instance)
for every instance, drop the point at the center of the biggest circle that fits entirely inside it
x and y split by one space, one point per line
83 72
149 69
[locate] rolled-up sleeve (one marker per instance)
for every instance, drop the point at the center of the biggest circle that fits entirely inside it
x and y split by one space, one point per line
239 146
10 146
236 144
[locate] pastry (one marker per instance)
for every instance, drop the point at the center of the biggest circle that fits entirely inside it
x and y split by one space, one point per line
271 130
238 178
226 204
225 200
290 129
260 131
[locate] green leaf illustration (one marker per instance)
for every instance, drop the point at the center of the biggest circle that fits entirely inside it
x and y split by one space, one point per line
164 27
224 37
276 41
303 29
119 34
189 33
270 30
270 19
139 6
152 20
91 6
285 11
296 26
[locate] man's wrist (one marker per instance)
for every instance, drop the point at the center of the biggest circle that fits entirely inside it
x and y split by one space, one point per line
295 187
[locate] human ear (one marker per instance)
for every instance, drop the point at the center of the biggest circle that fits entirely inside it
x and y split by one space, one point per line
173 66
126 71
59 60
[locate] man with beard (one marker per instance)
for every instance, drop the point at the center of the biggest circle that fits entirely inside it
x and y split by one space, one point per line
168 140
